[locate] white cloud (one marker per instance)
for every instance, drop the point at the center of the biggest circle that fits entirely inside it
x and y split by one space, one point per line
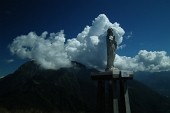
153 61
53 52
89 47
9 60
48 52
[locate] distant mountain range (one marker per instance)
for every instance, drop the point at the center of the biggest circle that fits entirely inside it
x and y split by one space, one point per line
158 81
69 89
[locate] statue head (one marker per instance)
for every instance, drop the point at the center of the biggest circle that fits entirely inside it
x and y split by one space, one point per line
110 32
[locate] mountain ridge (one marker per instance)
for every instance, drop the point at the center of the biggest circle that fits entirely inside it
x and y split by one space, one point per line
158 81
68 89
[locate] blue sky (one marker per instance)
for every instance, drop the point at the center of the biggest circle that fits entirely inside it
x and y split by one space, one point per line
147 22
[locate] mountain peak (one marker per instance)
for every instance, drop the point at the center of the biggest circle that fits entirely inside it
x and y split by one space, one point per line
77 64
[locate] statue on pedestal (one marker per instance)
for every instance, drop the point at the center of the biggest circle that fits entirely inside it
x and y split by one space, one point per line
112 75
111 50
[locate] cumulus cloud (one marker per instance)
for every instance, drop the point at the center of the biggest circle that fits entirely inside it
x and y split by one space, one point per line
48 52
153 61
53 51
89 47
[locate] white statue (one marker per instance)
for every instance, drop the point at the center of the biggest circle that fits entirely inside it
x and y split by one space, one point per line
111 50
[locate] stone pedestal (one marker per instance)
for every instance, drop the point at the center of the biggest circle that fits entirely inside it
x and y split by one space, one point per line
113 77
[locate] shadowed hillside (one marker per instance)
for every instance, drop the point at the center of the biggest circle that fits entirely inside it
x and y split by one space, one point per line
67 89
158 81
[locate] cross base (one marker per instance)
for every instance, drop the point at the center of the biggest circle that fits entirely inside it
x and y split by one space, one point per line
116 103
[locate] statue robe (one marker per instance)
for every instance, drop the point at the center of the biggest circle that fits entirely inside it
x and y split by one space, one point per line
111 49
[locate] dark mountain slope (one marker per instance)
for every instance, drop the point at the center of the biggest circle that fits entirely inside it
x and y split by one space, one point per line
68 89
145 100
19 77
158 81
64 89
